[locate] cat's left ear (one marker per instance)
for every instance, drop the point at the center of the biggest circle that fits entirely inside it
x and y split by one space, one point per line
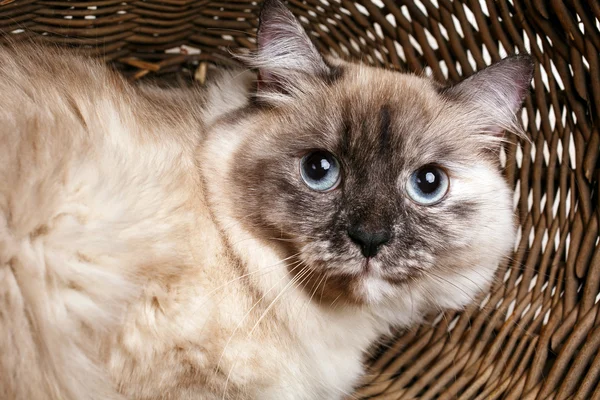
498 91
285 52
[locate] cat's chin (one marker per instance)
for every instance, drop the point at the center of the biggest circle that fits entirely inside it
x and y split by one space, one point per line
356 282
373 290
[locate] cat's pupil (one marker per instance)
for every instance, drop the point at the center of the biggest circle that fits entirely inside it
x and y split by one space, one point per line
318 165
428 180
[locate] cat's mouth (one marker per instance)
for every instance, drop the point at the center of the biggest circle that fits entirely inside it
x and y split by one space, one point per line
353 281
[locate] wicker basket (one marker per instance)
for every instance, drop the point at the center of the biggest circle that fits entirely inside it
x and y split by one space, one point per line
538 335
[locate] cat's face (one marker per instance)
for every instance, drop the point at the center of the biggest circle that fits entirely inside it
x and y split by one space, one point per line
373 180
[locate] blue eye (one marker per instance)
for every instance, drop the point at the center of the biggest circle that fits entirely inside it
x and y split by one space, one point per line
428 185
320 170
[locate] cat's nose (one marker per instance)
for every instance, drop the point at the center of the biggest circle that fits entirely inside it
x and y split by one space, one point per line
370 242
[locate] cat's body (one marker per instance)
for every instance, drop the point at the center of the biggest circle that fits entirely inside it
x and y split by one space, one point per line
148 249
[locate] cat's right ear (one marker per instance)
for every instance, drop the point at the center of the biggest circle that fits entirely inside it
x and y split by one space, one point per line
285 54
497 92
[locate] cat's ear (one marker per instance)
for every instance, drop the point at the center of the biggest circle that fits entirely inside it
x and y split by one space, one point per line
285 52
498 91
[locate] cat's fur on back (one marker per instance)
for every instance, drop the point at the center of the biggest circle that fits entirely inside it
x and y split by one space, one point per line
163 244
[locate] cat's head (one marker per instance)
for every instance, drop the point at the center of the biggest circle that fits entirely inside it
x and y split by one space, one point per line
372 179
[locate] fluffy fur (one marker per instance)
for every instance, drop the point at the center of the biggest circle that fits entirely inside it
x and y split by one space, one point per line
161 243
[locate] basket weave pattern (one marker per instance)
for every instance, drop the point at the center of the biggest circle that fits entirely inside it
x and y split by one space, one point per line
537 335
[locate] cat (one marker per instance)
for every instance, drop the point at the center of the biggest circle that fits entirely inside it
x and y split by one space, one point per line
248 240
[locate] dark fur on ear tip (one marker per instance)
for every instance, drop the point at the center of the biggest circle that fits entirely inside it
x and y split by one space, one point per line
268 8
523 61
525 65
270 4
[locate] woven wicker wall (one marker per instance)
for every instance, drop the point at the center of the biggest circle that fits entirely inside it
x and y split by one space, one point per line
538 335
